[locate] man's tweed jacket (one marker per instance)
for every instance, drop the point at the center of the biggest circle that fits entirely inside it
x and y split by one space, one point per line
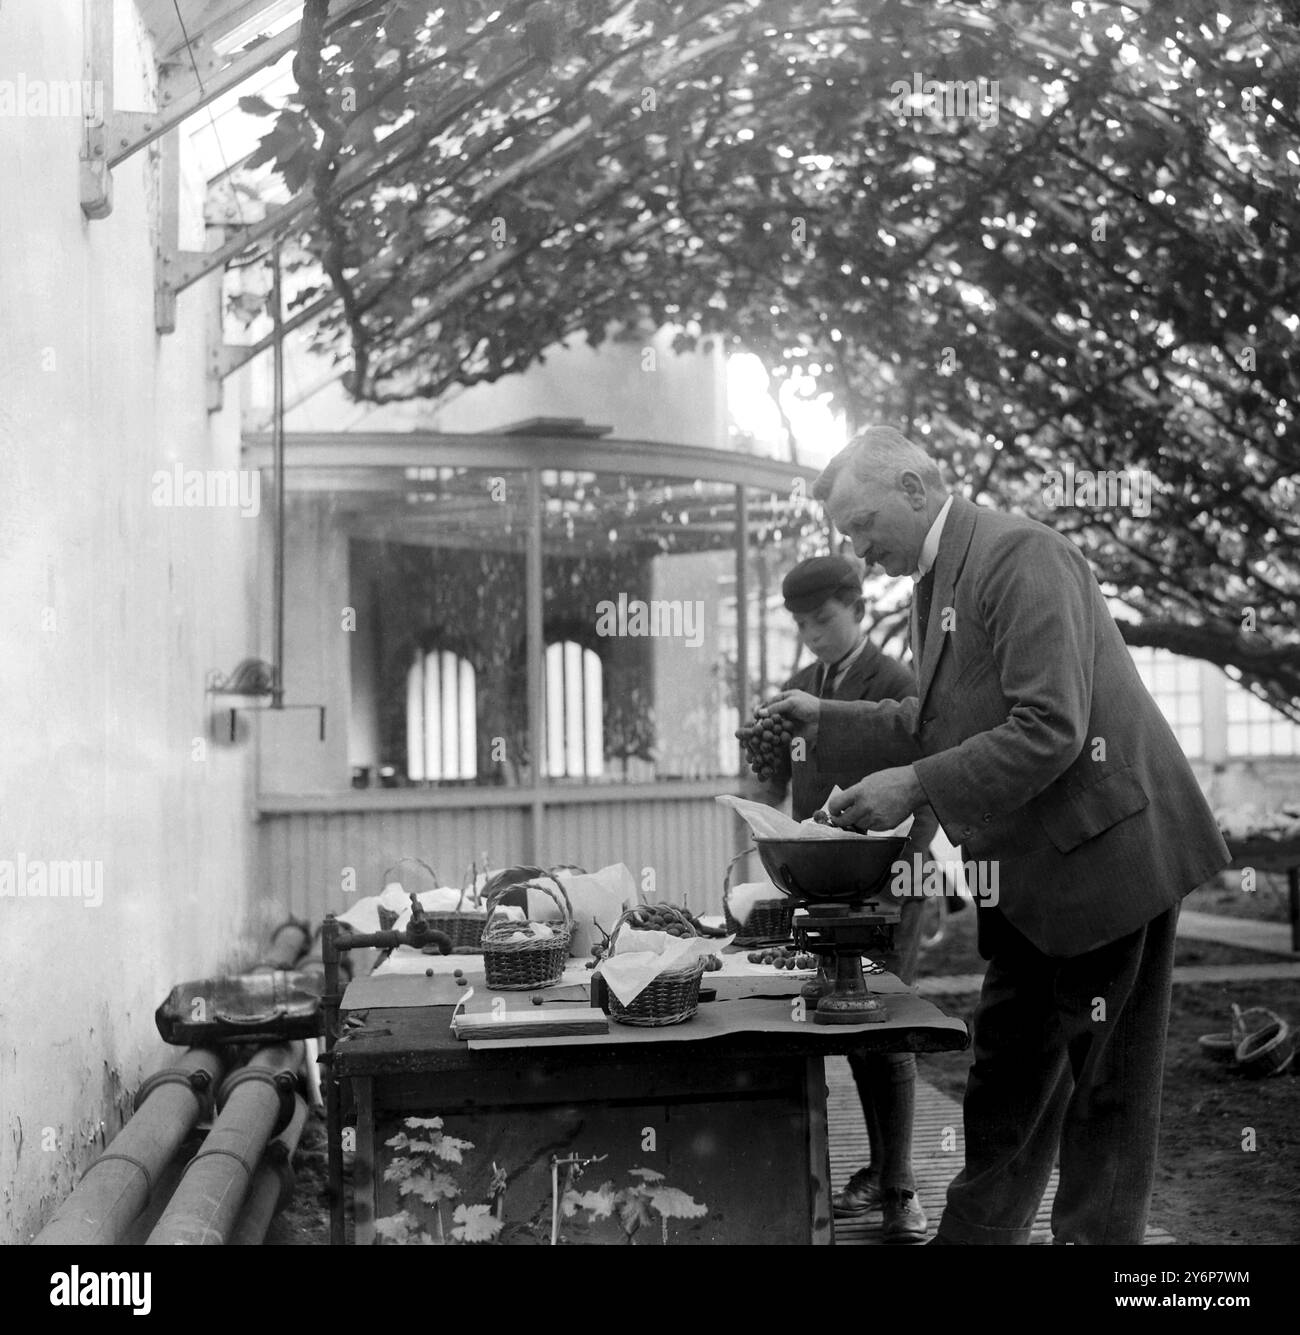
1036 742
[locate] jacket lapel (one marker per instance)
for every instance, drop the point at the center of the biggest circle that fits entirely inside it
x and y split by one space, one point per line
958 530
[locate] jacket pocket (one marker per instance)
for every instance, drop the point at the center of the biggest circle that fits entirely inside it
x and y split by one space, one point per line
1076 814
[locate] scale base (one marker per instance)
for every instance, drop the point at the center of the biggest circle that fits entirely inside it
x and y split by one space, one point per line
839 935
835 1009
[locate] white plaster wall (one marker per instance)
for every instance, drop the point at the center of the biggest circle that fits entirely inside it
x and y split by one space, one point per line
114 612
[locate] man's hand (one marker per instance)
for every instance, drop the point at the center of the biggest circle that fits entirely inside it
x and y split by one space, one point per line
880 801
802 709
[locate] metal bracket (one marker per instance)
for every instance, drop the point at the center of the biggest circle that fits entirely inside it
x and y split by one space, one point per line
189 78
273 709
169 257
96 183
181 92
227 359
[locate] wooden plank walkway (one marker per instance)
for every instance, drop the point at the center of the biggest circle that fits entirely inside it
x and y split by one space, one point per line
938 1125
1245 933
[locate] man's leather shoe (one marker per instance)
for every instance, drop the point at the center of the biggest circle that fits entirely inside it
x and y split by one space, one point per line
904 1219
860 1196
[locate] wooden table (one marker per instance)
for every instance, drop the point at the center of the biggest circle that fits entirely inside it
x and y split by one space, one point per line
728 1108
1273 855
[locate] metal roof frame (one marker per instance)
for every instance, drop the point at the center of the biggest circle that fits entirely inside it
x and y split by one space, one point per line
340 450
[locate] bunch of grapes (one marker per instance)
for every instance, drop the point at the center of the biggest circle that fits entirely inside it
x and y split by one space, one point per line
765 741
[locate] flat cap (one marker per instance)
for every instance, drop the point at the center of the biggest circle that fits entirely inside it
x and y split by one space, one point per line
811 582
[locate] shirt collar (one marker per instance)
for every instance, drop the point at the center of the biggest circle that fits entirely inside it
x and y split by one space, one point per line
835 672
930 547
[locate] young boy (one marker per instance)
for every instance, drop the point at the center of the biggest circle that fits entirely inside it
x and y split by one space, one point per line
824 595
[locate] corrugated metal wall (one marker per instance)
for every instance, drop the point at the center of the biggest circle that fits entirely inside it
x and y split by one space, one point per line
683 845
308 856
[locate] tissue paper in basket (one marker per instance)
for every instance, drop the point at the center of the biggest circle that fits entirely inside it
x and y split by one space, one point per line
597 897
640 957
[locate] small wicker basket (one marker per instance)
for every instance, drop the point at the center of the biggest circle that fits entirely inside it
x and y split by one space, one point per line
515 966
672 998
463 925
770 920
1265 1049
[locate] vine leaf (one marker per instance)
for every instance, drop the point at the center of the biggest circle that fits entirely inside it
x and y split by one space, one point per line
673 1203
633 1212
431 1187
599 1202
475 1223
395 1228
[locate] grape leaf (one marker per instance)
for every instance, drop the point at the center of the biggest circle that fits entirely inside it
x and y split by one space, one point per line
632 1213
675 1204
451 1148
396 1228
599 1202
431 1187
399 1169
475 1223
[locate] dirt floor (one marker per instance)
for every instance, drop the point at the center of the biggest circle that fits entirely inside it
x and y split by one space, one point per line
305 1222
1208 1188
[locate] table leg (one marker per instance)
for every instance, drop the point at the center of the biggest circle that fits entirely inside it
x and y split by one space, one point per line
364 1204
1293 897
821 1229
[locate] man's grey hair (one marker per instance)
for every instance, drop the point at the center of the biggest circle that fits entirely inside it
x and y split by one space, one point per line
878 454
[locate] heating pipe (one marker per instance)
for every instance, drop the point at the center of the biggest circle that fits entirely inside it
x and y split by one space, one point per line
256 1102
289 943
272 1185
117 1185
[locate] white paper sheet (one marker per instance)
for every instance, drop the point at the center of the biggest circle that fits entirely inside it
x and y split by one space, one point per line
767 823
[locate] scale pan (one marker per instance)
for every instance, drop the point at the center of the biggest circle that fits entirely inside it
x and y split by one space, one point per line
834 871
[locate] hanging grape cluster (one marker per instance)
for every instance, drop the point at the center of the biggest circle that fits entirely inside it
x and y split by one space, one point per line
765 741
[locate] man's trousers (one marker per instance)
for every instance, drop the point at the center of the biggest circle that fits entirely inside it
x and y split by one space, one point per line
1069 1057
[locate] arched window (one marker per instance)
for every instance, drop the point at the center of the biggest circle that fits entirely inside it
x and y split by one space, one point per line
573 686
440 717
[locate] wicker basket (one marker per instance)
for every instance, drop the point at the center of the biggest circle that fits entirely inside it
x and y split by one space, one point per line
515 966
672 998
463 925
1266 1048
770 920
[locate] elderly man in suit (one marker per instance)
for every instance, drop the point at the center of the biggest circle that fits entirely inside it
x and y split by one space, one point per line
1035 742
